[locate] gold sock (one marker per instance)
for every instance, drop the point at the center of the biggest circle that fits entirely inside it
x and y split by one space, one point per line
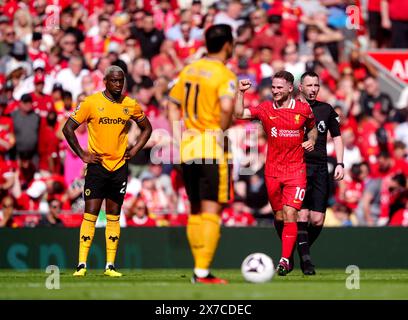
210 230
194 235
112 234
86 235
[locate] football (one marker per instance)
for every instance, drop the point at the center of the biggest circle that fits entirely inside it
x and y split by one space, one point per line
257 268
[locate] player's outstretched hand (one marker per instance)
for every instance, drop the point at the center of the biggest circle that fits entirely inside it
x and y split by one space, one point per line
308 145
244 85
89 157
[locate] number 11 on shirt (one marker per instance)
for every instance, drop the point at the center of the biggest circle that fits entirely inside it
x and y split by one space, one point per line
196 88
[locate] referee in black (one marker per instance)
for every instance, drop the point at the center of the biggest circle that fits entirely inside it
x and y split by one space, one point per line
312 215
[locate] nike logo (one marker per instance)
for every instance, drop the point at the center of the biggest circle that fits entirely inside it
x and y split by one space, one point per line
300 243
297 201
101 109
271 118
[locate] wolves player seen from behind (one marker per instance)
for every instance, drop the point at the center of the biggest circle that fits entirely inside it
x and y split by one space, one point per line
203 97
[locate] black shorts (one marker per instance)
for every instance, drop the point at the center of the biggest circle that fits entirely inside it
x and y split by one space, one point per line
317 189
207 181
376 31
101 183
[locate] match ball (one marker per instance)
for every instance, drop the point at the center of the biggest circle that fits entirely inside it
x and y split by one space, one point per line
257 268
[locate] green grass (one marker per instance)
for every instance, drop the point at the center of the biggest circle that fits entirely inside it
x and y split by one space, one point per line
174 284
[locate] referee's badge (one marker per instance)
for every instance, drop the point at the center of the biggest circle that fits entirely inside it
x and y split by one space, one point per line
321 126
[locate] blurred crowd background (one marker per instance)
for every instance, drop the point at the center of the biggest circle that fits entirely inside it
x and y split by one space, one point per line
54 53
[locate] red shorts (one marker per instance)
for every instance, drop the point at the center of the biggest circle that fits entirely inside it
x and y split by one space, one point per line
286 191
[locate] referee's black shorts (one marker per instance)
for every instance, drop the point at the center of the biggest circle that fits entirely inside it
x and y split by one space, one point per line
101 183
317 189
207 181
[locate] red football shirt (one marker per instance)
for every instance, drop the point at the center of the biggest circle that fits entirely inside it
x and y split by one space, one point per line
285 130
42 104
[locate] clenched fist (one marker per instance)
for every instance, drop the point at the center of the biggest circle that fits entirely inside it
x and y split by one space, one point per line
244 85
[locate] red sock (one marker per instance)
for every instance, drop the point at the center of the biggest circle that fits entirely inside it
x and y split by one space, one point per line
289 235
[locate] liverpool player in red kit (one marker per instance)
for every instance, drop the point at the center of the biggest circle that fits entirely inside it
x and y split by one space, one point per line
284 120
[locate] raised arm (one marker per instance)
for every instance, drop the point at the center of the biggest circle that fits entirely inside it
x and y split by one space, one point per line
240 111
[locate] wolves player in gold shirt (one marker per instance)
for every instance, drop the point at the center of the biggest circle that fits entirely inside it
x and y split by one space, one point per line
203 97
107 114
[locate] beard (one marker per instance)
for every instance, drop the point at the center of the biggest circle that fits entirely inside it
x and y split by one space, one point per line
116 95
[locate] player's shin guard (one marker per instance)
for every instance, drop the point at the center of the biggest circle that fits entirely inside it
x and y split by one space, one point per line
289 236
86 235
194 235
112 234
211 229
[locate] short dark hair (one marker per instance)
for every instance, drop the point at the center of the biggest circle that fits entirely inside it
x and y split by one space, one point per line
146 83
216 36
26 98
284 75
384 154
400 179
355 169
66 95
274 19
309 74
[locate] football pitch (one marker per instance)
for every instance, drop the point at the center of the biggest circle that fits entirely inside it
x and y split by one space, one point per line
174 284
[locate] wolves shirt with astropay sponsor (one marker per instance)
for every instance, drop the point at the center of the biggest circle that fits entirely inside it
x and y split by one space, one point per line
108 126
285 128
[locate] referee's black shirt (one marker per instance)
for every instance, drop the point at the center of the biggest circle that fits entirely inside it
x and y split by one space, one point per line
326 120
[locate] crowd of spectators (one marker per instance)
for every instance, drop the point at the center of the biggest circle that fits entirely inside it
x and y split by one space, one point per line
54 53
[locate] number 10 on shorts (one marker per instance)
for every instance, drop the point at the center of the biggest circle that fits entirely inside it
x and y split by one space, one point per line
300 193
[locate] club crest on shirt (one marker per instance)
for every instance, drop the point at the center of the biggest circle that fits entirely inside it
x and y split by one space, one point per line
232 86
101 109
126 110
297 119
